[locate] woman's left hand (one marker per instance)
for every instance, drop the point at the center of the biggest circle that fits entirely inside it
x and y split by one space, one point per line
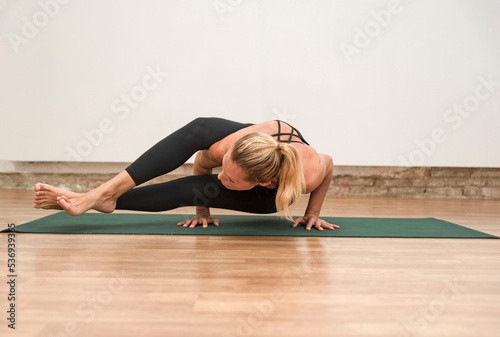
312 220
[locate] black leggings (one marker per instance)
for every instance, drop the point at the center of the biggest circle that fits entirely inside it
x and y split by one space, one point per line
200 190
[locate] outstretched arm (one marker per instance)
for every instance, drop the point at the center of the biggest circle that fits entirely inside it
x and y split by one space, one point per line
311 216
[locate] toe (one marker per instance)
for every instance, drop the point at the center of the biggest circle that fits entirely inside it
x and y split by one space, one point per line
64 203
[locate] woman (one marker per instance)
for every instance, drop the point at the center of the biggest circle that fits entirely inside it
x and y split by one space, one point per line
265 169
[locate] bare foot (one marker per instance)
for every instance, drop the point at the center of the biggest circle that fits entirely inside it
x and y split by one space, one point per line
50 197
90 200
46 196
102 199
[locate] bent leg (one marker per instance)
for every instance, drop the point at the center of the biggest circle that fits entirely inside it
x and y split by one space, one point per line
165 156
173 151
201 190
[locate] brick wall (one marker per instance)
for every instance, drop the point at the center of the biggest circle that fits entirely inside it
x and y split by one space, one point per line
417 182
358 181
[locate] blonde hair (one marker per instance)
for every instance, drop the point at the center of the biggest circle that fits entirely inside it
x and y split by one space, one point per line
264 158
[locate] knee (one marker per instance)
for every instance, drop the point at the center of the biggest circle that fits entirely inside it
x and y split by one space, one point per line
198 125
200 122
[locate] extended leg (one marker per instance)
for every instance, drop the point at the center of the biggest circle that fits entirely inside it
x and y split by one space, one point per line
202 190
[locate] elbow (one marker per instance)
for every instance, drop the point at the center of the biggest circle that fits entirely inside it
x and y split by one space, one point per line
328 162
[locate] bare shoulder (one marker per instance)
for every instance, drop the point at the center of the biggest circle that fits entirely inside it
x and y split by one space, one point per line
219 149
314 164
315 167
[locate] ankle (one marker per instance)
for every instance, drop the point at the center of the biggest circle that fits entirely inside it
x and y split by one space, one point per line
114 188
104 192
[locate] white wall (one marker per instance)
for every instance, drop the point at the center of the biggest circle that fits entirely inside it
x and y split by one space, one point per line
368 82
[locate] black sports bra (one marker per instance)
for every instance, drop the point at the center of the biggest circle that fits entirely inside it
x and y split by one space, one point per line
292 134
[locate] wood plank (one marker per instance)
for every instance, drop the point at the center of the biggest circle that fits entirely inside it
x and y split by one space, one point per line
149 285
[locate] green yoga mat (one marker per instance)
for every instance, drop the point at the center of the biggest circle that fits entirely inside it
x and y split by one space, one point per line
245 225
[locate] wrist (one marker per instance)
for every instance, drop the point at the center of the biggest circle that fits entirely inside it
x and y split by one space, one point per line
202 211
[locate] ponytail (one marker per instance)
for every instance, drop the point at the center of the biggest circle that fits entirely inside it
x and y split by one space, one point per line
264 158
291 179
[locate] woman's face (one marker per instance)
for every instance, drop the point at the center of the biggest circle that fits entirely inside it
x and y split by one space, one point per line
232 175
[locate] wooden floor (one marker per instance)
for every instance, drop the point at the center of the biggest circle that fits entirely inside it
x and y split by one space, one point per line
125 285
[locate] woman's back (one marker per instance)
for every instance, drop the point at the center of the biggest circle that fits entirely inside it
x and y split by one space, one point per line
312 162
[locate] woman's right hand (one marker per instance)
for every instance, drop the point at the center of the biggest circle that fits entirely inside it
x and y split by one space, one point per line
203 220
